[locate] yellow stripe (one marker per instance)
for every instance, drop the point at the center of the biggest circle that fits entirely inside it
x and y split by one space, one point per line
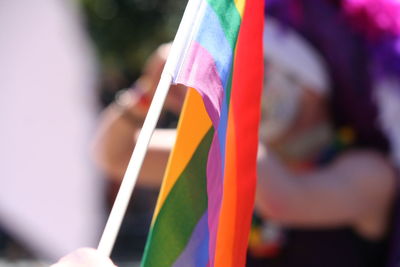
193 125
240 6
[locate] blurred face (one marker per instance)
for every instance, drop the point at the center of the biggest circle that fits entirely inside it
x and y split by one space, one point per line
294 117
282 100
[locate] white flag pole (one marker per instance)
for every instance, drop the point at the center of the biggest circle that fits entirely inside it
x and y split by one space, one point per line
128 183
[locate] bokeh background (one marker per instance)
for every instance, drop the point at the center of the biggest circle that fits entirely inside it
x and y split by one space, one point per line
124 33
61 63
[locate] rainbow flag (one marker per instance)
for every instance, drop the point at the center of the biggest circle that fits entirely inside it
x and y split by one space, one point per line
204 210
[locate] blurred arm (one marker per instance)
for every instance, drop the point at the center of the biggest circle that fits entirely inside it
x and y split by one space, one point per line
116 138
356 190
120 124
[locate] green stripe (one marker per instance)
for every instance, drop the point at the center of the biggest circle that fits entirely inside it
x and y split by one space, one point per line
229 18
181 211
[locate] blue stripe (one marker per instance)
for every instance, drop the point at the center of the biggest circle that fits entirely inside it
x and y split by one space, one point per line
222 126
212 37
196 251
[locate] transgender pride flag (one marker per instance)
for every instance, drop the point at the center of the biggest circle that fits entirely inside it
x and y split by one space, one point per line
204 209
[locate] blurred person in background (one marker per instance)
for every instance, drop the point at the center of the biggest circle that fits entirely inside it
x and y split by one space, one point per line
327 180
50 199
119 127
327 183
125 33
122 120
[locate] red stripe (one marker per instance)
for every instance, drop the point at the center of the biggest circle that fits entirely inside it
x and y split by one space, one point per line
246 100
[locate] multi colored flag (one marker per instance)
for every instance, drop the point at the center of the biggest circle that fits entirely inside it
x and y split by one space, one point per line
205 206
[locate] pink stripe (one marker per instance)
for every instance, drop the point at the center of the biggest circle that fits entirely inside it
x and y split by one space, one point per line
214 192
200 72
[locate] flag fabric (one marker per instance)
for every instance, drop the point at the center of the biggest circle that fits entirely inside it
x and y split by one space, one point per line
204 210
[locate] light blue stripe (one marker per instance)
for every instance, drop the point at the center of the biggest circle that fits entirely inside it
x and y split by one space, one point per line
212 37
222 126
196 251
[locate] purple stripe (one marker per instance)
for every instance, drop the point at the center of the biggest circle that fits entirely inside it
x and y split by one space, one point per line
196 251
214 192
200 72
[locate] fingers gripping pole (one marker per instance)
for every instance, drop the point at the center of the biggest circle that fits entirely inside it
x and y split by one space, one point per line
128 183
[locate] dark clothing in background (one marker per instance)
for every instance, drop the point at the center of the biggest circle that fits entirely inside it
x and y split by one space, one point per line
326 248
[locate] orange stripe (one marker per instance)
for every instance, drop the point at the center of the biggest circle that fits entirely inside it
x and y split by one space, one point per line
245 100
193 125
226 226
243 120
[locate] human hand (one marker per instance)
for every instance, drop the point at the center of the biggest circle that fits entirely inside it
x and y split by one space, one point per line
84 257
148 81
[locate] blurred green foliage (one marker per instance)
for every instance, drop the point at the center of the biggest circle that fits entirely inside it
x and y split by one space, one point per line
125 32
